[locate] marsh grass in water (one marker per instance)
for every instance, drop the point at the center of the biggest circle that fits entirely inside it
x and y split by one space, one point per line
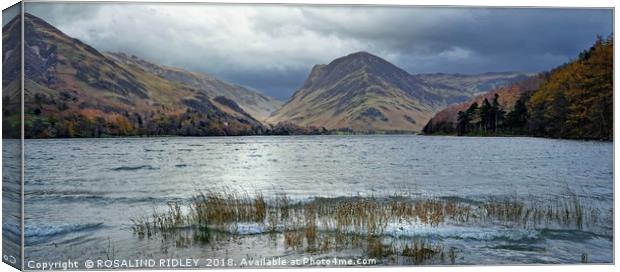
420 251
378 226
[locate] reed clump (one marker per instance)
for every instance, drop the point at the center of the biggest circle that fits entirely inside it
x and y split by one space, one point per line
222 207
421 251
356 215
322 224
376 248
293 239
565 212
168 221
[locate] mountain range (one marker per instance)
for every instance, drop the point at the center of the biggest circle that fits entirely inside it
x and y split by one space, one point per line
74 90
461 85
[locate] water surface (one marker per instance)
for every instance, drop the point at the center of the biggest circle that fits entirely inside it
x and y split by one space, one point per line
81 193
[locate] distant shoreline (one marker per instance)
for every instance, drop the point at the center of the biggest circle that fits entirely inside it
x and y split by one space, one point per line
226 136
328 134
518 136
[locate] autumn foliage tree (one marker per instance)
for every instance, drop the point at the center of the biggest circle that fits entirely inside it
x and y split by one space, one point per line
577 99
573 101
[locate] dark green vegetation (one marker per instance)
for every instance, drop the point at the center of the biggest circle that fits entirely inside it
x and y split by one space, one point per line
573 101
382 228
489 118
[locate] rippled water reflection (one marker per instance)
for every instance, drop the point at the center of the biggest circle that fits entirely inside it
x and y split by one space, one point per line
80 193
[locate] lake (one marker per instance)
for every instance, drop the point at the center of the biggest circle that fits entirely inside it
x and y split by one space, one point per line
81 194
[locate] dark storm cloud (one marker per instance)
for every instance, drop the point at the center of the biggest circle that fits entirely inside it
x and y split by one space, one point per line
272 48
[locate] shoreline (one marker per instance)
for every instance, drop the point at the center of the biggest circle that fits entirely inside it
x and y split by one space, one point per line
328 134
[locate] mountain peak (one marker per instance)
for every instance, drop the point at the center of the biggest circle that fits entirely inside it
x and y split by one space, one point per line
38 31
362 92
29 16
371 63
31 19
361 54
354 64
360 58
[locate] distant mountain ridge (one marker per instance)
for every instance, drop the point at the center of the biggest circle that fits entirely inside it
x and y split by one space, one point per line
472 84
257 105
73 90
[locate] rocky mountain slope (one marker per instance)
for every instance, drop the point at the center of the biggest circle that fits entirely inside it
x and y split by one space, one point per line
258 105
73 90
361 92
11 79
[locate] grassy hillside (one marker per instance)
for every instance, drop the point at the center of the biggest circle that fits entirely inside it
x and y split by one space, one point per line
255 104
73 90
362 93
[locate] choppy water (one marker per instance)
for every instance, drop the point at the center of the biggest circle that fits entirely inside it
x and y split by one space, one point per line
81 193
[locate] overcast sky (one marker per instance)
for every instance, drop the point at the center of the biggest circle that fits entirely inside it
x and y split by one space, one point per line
272 48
